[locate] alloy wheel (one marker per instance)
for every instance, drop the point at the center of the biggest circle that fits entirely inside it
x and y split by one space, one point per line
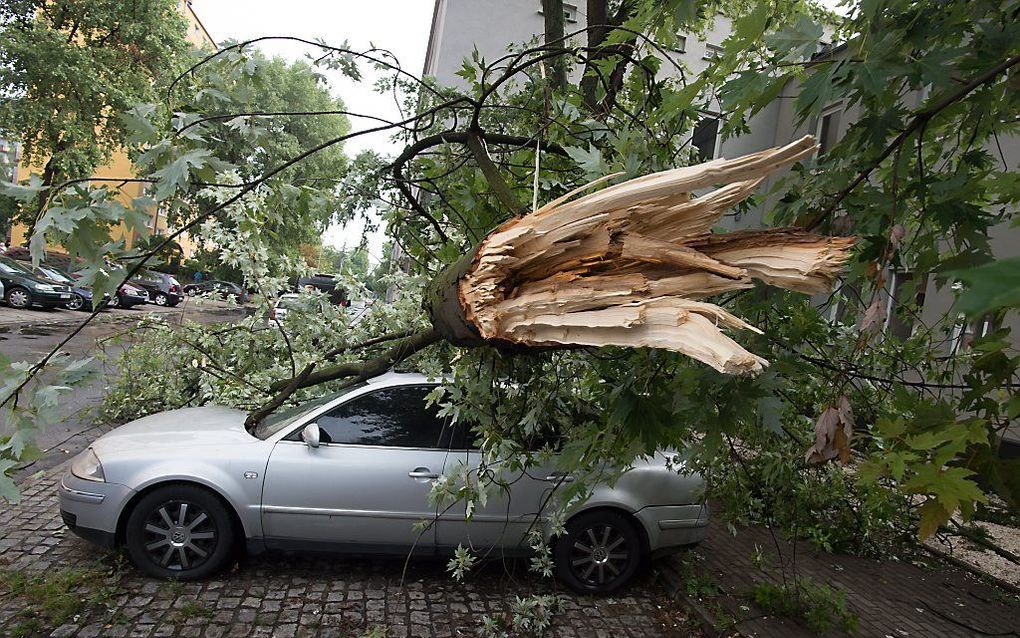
77 302
161 299
19 298
179 535
599 555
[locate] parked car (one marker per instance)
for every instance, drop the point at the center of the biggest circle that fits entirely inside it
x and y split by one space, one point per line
184 490
326 284
283 305
81 297
129 296
163 289
24 289
224 289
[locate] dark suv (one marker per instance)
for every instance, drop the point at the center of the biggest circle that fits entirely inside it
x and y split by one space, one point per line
163 289
23 289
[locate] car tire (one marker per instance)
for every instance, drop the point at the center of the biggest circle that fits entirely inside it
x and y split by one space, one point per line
114 302
18 297
170 528
599 554
161 299
77 302
191 291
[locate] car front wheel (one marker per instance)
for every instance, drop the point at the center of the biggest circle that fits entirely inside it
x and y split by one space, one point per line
19 298
114 302
77 302
600 552
180 531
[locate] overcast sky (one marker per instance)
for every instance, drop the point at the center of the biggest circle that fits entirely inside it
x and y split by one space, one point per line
401 26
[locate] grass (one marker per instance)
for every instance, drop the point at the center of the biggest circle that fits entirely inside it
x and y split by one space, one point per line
51 599
819 607
192 609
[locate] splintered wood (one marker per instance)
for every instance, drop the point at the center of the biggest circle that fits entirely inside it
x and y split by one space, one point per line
626 266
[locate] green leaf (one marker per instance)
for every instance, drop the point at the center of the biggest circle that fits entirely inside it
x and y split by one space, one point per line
989 287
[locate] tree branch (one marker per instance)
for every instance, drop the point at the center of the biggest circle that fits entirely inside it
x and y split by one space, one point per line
918 122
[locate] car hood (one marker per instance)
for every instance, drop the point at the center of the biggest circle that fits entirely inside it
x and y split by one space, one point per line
187 427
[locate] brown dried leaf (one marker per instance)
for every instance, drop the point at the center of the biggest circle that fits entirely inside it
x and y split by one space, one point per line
896 235
832 434
871 320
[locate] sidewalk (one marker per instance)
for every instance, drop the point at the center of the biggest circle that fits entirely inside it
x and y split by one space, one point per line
890 598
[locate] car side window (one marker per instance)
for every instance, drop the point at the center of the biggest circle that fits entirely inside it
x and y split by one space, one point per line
393 417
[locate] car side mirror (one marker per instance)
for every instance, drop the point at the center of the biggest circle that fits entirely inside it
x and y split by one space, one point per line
310 434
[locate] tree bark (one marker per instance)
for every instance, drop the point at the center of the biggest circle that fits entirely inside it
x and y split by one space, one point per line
628 265
552 11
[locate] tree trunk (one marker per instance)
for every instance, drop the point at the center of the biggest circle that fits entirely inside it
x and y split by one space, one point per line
628 265
552 11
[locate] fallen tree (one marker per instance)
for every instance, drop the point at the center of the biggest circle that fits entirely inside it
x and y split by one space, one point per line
624 266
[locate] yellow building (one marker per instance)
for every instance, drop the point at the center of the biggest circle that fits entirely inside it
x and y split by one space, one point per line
120 165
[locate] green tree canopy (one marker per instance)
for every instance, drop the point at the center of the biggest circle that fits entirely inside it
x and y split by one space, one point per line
69 68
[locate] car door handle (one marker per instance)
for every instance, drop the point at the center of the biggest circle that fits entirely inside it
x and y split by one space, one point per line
422 473
559 477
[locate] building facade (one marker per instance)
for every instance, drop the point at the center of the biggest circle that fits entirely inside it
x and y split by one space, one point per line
461 26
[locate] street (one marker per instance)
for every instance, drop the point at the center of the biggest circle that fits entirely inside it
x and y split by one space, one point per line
27 335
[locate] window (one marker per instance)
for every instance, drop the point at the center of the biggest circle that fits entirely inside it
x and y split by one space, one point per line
712 51
395 417
681 44
965 332
569 12
706 135
828 129
899 316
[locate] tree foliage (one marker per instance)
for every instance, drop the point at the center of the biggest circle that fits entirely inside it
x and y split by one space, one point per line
69 68
917 177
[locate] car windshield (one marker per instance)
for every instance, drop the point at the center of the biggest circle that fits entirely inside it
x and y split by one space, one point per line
10 267
284 418
55 275
288 302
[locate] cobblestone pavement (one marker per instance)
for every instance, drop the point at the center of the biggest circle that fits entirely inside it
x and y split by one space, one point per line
891 599
282 596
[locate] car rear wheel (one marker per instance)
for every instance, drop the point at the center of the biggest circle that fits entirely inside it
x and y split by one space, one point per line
19 298
114 301
161 299
180 531
600 552
77 302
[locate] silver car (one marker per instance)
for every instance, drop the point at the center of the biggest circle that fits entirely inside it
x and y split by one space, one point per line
183 490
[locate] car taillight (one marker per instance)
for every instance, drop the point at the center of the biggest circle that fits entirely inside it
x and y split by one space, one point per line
173 288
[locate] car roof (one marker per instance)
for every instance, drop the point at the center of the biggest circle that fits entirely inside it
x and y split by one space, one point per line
403 378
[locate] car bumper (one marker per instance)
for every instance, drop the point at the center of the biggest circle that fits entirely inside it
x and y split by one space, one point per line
50 299
91 509
671 527
133 300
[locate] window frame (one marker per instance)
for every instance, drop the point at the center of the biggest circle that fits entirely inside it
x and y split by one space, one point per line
288 434
712 51
716 140
829 111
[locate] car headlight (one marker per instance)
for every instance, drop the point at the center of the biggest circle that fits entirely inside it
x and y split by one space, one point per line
44 287
87 466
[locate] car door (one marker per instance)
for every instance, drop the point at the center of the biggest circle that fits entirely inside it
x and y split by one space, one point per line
366 485
514 507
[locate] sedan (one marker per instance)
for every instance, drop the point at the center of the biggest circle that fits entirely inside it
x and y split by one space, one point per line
187 489
24 289
223 289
